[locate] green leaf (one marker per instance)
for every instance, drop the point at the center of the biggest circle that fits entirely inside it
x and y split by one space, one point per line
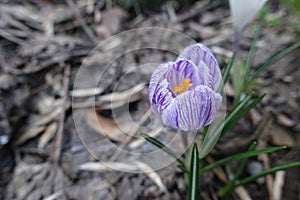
227 71
183 168
165 149
277 56
238 108
241 113
231 184
194 174
210 140
212 136
238 157
250 57
244 162
266 172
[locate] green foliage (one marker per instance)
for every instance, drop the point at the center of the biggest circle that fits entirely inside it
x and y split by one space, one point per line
230 185
211 136
240 111
293 6
227 71
194 174
273 59
276 21
266 172
236 183
238 157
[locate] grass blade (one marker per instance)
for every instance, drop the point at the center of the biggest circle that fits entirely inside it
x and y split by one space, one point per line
266 172
241 113
237 108
238 157
165 149
250 57
227 71
211 137
277 56
241 168
231 184
194 174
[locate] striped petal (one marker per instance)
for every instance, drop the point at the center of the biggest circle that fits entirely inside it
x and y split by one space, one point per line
158 92
193 109
184 69
205 61
157 77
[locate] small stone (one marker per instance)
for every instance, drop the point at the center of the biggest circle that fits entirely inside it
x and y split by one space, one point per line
254 168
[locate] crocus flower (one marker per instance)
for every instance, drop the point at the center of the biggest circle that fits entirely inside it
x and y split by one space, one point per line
243 12
184 93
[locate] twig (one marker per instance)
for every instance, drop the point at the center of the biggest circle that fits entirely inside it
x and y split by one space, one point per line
269 178
278 184
59 135
263 131
171 12
83 24
200 8
10 37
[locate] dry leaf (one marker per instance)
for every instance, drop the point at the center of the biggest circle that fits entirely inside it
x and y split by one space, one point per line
108 166
152 175
86 92
285 121
116 131
122 96
32 132
280 136
47 135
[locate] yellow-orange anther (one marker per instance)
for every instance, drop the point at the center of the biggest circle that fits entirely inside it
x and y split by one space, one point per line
183 87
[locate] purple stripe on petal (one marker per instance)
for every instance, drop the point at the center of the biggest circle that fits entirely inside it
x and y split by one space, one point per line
157 77
161 97
193 109
184 69
205 61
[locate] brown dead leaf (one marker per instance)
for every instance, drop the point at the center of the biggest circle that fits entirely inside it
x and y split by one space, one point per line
30 133
116 131
285 121
154 176
279 136
47 135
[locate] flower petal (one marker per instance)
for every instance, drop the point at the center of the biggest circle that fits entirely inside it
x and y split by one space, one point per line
205 61
241 14
183 69
157 76
193 109
158 92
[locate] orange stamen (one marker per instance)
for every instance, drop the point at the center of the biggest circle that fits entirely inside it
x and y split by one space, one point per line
183 87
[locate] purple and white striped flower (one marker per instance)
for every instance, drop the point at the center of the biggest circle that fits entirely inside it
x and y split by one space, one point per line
184 92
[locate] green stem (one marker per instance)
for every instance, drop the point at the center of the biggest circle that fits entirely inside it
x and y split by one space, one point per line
194 174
